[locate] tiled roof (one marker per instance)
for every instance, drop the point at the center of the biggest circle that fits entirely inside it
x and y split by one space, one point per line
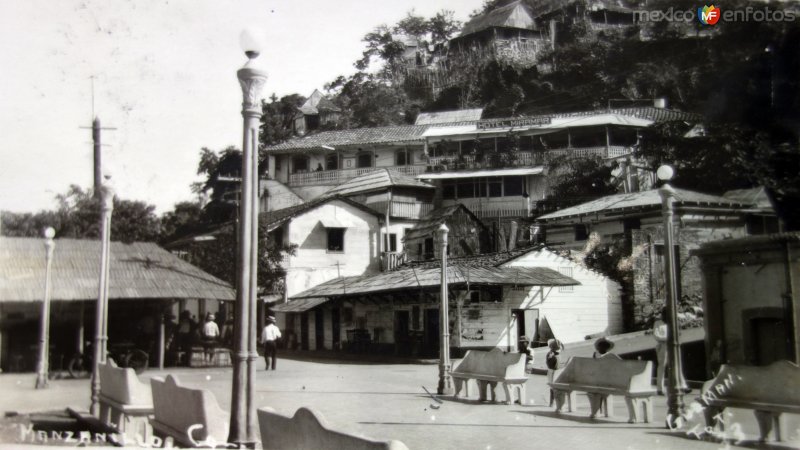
412 277
431 222
376 180
141 270
449 117
402 134
639 200
317 102
513 15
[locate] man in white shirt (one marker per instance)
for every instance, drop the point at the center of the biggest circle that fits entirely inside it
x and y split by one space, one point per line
210 337
269 337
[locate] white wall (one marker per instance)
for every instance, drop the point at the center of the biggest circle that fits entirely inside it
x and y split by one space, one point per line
313 264
594 306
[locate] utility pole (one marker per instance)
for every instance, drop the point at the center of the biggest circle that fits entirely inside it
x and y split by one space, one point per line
98 157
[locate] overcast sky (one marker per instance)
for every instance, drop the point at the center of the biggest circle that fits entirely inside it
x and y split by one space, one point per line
164 76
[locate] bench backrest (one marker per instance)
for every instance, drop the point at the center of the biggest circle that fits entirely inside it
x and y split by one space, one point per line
181 408
608 371
308 430
494 362
777 383
123 386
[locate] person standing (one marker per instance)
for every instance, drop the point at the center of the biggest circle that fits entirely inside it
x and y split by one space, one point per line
210 337
269 338
660 335
552 362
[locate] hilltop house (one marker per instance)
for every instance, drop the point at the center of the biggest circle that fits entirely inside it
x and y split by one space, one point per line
317 111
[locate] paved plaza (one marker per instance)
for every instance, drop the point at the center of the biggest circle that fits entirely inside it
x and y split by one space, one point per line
387 401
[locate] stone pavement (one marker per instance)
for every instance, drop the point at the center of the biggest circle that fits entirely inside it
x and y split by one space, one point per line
387 401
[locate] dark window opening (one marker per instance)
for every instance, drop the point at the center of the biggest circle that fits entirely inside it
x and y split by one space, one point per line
512 186
401 158
581 233
335 239
332 162
448 190
364 160
466 188
428 248
299 164
495 187
390 242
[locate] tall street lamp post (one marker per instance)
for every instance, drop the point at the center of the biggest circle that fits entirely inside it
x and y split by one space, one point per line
243 410
101 316
675 387
44 328
445 386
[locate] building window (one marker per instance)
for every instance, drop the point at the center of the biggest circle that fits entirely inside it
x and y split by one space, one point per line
512 186
466 188
449 189
390 242
495 187
364 159
335 239
581 233
402 157
428 249
332 162
567 272
300 164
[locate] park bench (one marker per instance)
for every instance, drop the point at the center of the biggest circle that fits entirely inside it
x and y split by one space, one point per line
308 430
488 369
191 417
125 402
608 375
767 390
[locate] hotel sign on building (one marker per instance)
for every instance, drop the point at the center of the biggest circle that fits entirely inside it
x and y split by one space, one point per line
512 123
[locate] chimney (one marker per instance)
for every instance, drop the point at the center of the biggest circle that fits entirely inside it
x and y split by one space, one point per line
660 102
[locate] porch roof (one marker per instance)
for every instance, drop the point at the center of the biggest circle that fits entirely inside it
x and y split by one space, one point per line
137 271
537 170
411 278
299 305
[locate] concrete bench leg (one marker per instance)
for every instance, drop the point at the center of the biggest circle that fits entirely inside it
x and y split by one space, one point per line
482 385
561 397
637 407
457 384
596 402
511 389
492 387
766 420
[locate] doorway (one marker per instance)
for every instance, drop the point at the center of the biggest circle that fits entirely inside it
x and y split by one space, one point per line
527 322
402 341
336 329
304 331
769 340
431 332
319 329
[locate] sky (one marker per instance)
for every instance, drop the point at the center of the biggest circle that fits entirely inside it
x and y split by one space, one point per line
164 77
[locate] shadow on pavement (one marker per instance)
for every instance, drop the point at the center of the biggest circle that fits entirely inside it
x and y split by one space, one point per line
331 357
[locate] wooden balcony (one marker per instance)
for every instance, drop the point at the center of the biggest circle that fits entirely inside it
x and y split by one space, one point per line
528 158
336 177
488 208
404 210
390 260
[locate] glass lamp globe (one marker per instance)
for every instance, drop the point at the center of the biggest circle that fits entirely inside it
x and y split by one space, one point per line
49 232
665 172
252 41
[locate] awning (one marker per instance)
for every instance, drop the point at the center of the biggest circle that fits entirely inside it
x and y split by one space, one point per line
299 305
482 173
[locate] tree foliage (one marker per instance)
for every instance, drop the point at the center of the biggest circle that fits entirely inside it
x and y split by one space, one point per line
78 217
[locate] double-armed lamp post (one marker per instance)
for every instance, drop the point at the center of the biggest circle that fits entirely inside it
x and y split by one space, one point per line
44 324
242 431
675 383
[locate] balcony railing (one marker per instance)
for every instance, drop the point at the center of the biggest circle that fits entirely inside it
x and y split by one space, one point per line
528 158
334 177
405 210
487 208
390 260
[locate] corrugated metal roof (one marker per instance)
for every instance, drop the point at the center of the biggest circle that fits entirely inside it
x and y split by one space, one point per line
644 199
755 196
403 134
137 270
376 180
426 278
483 260
439 117
513 15
299 305
275 218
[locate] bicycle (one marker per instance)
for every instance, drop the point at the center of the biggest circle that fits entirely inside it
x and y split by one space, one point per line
124 355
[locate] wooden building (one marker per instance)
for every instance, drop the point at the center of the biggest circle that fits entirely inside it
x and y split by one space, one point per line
467 234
